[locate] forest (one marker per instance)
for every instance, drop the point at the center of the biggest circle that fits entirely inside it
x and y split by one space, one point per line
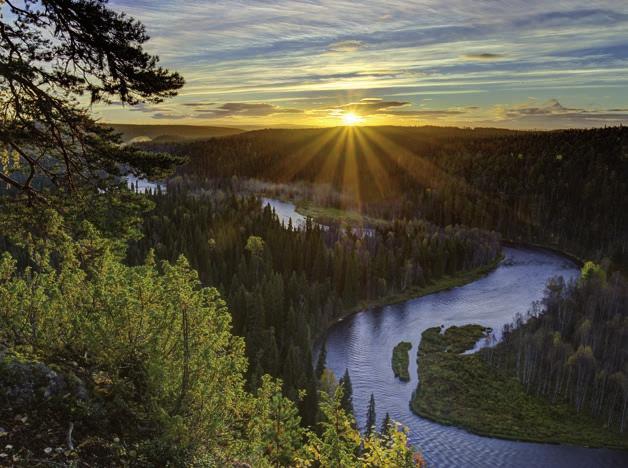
178 327
572 345
558 374
106 361
529 186
284 285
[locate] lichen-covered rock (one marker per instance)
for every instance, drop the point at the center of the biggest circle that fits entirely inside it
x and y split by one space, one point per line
25 382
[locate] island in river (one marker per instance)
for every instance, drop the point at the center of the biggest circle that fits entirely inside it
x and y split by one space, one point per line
464 390
401 360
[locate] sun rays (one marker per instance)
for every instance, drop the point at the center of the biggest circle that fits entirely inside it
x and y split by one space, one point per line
353 166
351 118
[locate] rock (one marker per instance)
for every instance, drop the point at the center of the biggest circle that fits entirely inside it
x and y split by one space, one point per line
25 382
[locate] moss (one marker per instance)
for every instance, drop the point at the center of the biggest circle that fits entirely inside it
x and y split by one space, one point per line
463 390
401 360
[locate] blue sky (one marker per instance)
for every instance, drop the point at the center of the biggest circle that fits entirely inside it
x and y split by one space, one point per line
521 64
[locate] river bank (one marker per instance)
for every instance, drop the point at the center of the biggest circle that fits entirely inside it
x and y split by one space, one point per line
443 284
464 391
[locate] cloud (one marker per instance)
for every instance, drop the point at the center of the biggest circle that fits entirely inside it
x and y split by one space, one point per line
368 106
380 107
254 109
488 53
168 116
428 113
552 113
198 104
550 107
486 56
148 109
345 46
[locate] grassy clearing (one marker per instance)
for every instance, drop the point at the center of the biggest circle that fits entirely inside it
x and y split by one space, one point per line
464 391
401 360
327 215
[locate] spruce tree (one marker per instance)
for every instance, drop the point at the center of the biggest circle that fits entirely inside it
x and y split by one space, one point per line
321 362
370 416
347 394
387 426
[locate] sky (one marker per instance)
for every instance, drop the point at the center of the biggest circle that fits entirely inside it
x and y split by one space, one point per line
511 63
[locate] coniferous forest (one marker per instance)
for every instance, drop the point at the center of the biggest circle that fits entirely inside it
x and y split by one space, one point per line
187 324
529 186
284 285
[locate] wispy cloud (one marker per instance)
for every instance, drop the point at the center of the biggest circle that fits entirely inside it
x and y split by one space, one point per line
535 114
484 56
245 109
345 46
334 53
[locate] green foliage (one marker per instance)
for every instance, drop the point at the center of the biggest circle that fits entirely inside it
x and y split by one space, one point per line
48 139
572 347
592 271
255 245
328 383
321 361
275 425
466 391
340 443
154 333
155 374
285 286
401 360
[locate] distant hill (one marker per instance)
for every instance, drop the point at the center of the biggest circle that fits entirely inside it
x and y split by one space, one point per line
541 187
163 133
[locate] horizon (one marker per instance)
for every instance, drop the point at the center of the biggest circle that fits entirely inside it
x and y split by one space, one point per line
518 66
255 127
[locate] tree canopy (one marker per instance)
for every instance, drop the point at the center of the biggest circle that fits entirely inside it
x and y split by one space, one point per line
57 57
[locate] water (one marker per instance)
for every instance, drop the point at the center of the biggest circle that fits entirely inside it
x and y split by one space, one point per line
144 185
363 343
285 211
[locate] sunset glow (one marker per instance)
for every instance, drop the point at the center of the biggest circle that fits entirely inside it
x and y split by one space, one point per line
351 119
289 63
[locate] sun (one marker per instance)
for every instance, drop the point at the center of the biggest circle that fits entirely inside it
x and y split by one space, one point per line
351 118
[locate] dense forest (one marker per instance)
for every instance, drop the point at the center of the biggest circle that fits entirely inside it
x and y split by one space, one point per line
284 285
573 345
531 186
176 328
103 363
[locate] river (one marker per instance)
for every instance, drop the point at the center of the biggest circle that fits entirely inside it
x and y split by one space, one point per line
363 344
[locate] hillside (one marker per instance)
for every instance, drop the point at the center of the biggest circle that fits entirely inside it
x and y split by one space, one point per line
522 184
171 132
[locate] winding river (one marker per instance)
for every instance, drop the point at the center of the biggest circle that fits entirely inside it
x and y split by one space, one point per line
363 343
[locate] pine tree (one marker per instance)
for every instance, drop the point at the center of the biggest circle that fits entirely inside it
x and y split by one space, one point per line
387 426
347 394
370 416
322 360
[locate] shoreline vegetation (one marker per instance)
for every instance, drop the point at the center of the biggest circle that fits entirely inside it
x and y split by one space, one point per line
441 284
326 215
401 360
464 391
